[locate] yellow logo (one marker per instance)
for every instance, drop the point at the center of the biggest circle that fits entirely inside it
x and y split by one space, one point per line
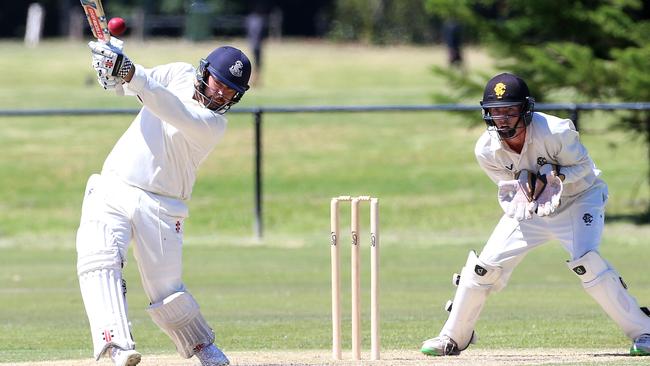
500 89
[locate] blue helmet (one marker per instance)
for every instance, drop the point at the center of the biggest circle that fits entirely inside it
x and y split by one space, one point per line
230 66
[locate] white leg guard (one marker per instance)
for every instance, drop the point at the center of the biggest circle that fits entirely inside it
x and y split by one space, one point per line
99 267
477 279
179 317
610 292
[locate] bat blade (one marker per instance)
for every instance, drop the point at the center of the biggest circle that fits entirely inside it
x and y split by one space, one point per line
96 19
99 25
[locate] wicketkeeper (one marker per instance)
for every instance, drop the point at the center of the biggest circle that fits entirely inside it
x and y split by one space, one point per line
549 189
141 195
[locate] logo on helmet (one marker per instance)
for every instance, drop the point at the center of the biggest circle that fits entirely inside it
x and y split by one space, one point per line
236 69
500 89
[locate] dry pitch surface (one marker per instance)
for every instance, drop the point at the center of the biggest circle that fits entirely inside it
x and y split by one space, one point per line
407 358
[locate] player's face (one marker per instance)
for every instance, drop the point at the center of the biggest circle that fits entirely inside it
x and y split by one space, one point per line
505 116
218 92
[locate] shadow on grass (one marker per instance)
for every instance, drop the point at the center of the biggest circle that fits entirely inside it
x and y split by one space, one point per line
642 218
615 355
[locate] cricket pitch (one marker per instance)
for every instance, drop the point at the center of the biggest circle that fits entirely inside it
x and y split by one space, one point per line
508 357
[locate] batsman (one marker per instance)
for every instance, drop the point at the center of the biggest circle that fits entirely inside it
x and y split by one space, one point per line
141 196
549 189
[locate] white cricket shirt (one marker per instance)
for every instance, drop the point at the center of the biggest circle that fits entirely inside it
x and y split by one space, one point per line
172 135
549 139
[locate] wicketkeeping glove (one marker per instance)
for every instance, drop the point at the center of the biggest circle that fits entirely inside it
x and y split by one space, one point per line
516 196
109 60
548 189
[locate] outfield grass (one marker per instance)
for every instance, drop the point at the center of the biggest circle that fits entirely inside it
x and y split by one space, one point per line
436 204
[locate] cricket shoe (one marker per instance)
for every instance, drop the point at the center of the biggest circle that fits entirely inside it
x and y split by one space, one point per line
641 346
440 346
210 355
129 357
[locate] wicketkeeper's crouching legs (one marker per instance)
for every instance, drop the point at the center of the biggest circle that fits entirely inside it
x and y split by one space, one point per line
605 285
477 280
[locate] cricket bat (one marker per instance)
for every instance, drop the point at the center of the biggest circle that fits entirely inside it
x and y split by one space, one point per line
97 19
99 26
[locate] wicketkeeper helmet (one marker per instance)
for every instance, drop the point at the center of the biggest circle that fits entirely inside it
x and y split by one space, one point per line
505 90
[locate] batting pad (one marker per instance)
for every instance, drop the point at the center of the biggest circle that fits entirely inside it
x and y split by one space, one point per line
477 280
99 267
179 316
103 292
610 292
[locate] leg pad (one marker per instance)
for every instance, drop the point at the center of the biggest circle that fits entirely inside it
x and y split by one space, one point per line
476 281
608 289
103 292
178 315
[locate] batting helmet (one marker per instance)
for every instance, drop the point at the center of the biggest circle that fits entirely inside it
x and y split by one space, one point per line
230 66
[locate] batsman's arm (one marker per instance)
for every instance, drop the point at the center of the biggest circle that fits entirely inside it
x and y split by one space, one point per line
195 122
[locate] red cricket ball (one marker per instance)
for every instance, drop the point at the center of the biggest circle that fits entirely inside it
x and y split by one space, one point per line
116 26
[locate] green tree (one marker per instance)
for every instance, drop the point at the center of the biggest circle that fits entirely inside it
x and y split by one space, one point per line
593 50
382 21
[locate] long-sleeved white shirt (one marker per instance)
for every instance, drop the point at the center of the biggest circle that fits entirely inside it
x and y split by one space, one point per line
549 139
172 135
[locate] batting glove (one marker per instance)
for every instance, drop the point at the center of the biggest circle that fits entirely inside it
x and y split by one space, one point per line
108 82
548 189
108 58
516 196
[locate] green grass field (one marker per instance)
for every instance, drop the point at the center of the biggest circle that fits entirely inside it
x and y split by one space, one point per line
273 294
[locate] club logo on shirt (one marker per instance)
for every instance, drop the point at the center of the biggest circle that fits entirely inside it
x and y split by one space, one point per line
588 219
480 270
500 89
580 270
236 69
541 160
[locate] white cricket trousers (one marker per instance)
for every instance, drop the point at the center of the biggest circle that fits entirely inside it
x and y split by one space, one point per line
154 222
578 227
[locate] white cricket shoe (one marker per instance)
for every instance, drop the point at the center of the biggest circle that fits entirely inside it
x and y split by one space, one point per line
440 346
641 346
122 357
210 355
